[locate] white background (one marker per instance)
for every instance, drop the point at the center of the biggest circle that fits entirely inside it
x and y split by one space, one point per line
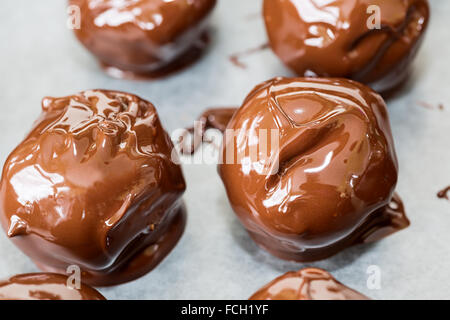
216 259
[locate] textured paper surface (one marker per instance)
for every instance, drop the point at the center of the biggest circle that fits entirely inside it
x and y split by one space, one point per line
215 258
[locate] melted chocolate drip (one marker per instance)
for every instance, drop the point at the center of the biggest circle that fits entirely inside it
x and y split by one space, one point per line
385 221
214 118
236 58
443 194
429 106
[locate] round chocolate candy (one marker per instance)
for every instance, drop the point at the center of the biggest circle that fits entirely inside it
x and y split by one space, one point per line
143 38
94 184
371 41
45 286
309 167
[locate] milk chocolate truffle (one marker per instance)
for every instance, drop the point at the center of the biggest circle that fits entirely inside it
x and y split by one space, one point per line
45 286
341 39
94 184
143 38
324 173
307 284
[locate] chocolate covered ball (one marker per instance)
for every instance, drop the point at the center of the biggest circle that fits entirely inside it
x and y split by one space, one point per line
94 184
144 38
307 284
45 286
309 167
371 41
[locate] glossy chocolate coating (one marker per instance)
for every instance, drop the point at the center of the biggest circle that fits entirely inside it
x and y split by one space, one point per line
44 286
330 184
307 284
214 118
444 193
94 185
143 38
332 38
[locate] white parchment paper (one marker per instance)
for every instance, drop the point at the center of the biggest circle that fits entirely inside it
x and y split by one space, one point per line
216 259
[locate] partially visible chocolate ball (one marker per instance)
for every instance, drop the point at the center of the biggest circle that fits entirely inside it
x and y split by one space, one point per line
94 184
342 39
307 284
310 168
144 38
45 286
